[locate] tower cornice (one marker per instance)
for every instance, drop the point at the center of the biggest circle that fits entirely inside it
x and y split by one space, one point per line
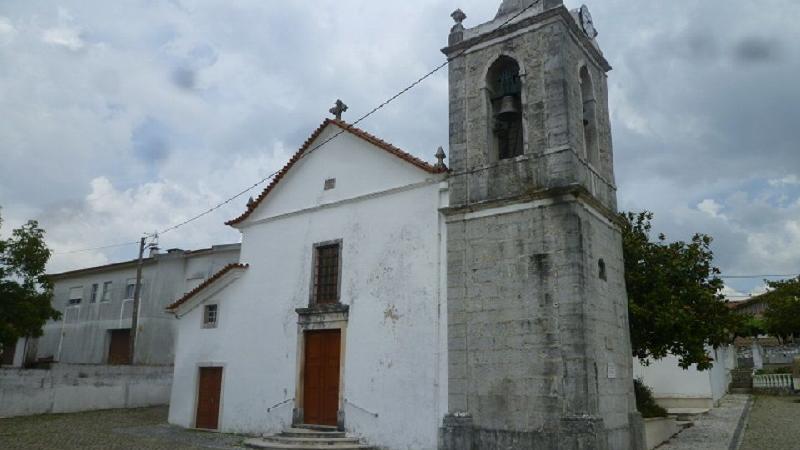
561 12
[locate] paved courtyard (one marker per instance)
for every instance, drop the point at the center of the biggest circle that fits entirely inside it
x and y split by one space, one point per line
774 424
114 430
712 431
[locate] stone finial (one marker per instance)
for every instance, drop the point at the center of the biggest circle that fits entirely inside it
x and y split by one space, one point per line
459 16
338 109
251 202
440 157
457 32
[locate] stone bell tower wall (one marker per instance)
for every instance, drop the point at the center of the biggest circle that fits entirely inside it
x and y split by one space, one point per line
550 52
538 341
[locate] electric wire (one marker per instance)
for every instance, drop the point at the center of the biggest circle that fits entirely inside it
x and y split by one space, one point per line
347 128
83 250
758 276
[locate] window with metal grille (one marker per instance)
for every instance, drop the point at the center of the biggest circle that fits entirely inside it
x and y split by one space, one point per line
210 316
327 274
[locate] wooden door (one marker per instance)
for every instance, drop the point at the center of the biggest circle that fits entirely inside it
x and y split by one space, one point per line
209 389
8 354
119 350
321 377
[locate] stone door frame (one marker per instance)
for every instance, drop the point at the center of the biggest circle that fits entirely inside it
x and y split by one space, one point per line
320 318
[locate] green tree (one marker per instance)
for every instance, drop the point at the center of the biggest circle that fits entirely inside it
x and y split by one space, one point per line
782 317
675 305
25 291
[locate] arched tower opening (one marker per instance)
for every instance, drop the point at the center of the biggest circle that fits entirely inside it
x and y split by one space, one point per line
504 85
591 148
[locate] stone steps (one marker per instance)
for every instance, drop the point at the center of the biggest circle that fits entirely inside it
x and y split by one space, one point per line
308 438
741 379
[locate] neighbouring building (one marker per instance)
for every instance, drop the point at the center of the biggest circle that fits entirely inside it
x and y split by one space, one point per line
96 305
414 306
755 306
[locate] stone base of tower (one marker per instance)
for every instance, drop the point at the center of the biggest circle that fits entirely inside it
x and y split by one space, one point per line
571 433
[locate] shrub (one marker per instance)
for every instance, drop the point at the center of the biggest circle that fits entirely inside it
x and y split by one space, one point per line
645 402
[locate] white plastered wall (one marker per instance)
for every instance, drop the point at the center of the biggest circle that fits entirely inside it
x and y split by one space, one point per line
386 216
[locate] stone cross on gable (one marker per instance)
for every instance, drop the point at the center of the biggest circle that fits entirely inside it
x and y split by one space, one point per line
338 109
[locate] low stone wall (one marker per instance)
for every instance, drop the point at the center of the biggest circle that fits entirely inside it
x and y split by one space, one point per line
72 388
659 430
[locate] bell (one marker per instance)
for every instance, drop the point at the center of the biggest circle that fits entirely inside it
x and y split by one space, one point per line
508 108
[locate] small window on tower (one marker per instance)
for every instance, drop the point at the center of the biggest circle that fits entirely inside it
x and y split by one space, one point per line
330 183
601 266
505 94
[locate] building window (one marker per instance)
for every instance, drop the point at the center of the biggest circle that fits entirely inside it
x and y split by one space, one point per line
326 274
76 295
130 289
210 316
106 292
93 295
330 183
504 85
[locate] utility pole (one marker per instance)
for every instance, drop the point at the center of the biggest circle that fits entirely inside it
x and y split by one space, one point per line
136 293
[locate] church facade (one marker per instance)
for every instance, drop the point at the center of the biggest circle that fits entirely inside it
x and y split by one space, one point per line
416 306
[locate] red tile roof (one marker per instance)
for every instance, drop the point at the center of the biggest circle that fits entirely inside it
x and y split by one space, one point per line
205 284
380 143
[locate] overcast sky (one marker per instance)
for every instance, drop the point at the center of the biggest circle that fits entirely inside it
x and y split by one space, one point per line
124 117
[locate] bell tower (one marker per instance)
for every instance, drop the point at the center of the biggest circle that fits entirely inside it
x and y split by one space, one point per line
539 353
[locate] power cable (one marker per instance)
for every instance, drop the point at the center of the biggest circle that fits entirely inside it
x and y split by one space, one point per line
348 127
83 250
757 276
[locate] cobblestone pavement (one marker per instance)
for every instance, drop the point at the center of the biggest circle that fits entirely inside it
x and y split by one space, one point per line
774 424
712 431
113 430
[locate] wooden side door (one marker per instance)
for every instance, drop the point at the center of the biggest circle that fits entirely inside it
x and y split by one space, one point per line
209 389
119 349
321 377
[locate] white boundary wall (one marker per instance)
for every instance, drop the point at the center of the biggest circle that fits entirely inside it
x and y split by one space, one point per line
674 387
73 388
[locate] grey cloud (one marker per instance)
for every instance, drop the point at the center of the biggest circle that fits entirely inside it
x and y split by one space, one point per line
755 49
269 71
184 78
150 140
